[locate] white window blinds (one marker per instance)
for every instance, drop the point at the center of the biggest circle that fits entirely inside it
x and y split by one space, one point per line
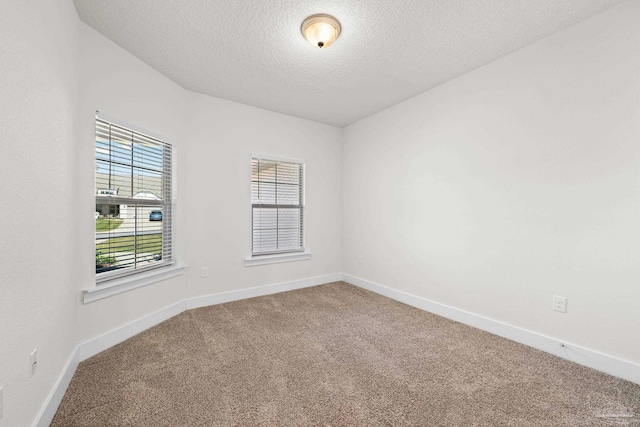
133 201
277 204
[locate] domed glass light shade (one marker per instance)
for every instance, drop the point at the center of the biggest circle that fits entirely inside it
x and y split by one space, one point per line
320 30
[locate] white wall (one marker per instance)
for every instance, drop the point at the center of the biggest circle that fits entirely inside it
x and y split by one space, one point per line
511 184
222 136
214 140
121 86
38 109
56 72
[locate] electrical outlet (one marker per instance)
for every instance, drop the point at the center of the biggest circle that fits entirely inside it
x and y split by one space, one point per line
204 272
1 402
33 360
559 304
360 259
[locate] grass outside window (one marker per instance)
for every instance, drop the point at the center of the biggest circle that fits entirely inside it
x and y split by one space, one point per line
107 224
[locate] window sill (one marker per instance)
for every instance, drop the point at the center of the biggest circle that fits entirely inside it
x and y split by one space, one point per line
251 261
125 284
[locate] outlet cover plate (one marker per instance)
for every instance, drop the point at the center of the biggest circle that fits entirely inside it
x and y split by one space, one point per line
559 304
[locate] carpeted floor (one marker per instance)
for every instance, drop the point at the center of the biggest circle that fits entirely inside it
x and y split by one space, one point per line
335 355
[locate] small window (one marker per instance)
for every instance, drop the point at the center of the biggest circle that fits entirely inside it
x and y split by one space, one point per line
133 201
277 205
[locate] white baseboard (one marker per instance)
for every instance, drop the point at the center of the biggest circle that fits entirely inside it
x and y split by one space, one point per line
258 291
593 359
96 345
48 411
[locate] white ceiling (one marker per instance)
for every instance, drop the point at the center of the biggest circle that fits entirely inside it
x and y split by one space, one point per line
251 51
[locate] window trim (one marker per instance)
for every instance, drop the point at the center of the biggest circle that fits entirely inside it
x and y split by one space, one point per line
250 261
107 284
127 283
288 255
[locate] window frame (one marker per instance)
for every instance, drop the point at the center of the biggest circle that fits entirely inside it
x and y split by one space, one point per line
284 255
110 282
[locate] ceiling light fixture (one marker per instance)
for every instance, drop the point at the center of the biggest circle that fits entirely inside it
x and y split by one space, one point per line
321 30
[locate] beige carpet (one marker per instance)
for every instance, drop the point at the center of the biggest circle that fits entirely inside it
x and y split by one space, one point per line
335 355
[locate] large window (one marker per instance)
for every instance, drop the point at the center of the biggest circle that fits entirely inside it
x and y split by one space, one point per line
133 201
277 204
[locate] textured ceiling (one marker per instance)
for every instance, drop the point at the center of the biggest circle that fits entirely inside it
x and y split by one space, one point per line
251 51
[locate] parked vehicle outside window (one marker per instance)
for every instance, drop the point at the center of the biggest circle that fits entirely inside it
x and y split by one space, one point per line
155 216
